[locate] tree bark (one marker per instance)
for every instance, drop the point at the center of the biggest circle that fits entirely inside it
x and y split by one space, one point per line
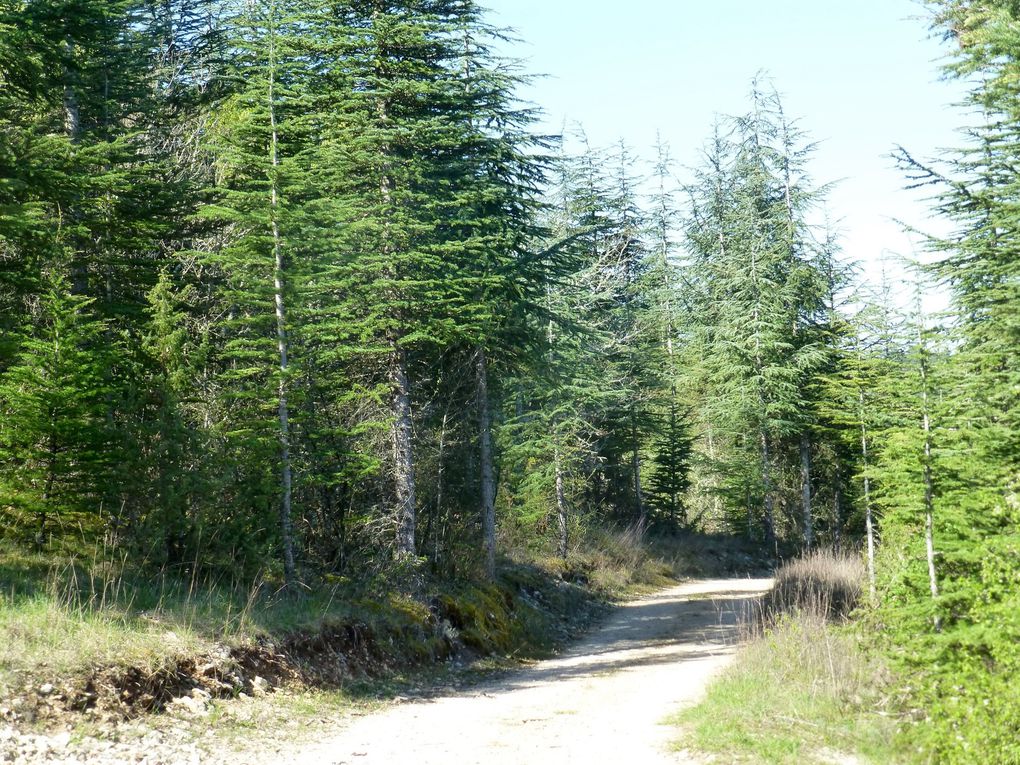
286 519
403 455
929 487
561 507
805 489
770 512
837 511
869 521
635 465
72 129
487 471
440 522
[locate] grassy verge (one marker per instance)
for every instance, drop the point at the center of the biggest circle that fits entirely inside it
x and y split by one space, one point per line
804 689
93 636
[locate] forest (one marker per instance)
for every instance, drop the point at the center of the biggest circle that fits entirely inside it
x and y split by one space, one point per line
296 288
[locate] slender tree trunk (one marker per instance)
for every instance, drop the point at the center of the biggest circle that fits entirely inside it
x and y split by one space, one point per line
51 465
286 519
403 456
837 511
770 511
929 490
869 521
487 470
805 490
402 433
440 474
635 466
674 497
714 483
72 129
72 111
561 506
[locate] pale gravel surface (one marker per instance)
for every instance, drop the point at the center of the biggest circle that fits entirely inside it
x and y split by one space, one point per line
601 701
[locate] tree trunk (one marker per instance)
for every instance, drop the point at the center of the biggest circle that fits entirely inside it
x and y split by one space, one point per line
72 129
487 471
403 457
635 466
770 512
929 490
72 111
286 520
561 507
869 521
440 522
805 489
714 481
837 511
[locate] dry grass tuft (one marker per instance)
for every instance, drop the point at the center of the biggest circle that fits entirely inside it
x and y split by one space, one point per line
822 584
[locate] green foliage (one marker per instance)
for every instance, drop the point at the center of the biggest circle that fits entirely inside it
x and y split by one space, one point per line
671 478
801 692
55 439
959 646
757 288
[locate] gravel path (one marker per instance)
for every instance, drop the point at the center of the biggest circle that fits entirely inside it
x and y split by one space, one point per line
602 701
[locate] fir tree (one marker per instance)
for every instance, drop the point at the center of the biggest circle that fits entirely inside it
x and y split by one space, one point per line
55 437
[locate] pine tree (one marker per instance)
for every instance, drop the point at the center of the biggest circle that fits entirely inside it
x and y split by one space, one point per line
973 429
260 151
759 292
54 441
429 181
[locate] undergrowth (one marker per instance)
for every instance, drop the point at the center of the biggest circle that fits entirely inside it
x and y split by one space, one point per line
805 688
77 616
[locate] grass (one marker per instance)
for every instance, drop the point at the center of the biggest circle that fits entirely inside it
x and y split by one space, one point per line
64 616
822 583
804 689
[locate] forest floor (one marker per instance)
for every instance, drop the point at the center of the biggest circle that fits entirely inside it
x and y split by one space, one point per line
603 699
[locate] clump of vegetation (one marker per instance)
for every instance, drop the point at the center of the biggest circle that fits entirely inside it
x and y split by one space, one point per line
103 635
611 561
802 689
823 584
804 684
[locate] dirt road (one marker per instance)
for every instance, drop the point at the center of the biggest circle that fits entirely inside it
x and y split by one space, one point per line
601 702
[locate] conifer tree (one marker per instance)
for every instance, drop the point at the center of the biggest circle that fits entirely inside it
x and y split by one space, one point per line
760 287
54 441
260 154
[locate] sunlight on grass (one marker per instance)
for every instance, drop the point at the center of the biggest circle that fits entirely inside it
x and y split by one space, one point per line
803 689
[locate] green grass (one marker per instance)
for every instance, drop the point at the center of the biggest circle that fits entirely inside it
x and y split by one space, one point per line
804 688
802 692
65 615
61 617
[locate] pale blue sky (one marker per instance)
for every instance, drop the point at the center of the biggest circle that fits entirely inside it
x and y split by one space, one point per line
862 76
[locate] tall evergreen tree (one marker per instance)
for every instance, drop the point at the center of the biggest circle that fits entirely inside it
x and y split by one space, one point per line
55 437
759 290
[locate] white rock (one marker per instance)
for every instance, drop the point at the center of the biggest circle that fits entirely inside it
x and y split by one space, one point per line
259 686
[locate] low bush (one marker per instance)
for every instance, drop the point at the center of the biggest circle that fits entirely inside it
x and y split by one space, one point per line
823 584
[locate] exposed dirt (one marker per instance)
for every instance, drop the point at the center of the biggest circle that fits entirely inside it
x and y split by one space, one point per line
600 701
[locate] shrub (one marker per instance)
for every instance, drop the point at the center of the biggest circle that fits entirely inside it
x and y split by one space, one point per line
823 584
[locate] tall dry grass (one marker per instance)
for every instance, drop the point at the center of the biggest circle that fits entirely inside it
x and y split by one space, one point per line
822 584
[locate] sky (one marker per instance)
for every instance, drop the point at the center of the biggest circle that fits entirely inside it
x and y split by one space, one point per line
860 77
